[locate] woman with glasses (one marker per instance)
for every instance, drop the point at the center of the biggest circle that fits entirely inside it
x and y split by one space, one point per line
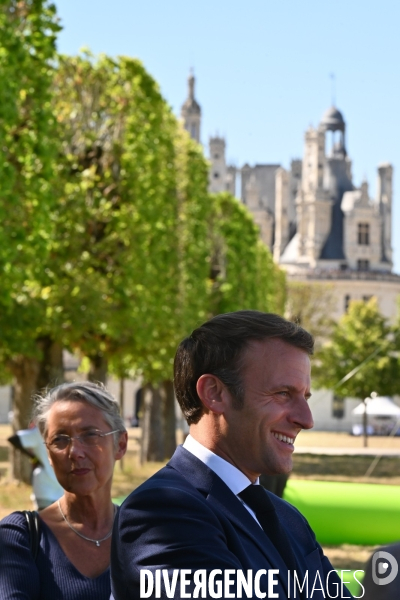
84 435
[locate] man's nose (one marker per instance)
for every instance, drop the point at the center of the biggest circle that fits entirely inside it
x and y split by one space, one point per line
303 416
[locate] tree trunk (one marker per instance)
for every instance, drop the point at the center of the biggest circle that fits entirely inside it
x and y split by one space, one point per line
122 396
169 418
26 372
274 483
98 368
145 421
152 447
121 407
51 371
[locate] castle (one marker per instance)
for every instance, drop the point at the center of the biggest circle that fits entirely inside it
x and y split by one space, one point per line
319 226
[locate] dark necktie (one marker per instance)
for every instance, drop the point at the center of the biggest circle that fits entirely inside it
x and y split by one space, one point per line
258 500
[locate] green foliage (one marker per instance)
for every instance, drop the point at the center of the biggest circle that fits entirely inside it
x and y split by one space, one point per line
243 273
27 154
311 305
130 261
113 246
194 213
115 260
359 334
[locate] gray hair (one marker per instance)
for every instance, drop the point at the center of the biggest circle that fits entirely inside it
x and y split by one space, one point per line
94 393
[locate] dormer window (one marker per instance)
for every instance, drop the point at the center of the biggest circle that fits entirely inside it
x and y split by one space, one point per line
363 234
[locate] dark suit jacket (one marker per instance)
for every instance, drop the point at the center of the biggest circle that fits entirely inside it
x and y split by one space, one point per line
185 517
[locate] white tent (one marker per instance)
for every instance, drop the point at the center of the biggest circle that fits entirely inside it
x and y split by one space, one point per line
381 406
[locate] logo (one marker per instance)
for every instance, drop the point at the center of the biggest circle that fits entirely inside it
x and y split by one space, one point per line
383 563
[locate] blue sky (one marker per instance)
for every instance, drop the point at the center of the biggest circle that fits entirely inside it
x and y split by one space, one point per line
263 70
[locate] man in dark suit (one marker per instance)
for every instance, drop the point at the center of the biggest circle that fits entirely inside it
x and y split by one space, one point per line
242 380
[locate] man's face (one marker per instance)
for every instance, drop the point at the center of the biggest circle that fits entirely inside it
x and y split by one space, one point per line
259 437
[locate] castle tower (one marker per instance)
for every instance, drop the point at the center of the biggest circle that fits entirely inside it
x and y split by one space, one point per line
218 172
191 111
337 181
261 215
313 161
313 203
333 121
385 175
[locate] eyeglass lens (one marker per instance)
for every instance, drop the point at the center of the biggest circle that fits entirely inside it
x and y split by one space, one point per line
89 438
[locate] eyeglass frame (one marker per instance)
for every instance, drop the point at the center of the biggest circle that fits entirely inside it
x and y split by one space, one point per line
78 437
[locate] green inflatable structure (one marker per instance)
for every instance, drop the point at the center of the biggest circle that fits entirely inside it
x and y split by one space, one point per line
348 513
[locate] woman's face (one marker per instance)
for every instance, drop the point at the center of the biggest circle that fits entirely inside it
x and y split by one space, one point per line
80 469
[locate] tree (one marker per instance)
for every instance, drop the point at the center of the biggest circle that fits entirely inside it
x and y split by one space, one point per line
243 273
130 261
193 251
27 157
311 305
362 345
121 238
117 214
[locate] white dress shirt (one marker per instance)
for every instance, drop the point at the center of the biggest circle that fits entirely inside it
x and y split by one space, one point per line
230 475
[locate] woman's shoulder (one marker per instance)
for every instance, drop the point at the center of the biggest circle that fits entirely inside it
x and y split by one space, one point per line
14 529
15 518
19 574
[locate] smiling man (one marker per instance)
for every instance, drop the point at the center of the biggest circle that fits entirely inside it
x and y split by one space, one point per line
203 526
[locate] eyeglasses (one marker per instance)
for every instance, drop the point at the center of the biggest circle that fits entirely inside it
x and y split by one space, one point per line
88 439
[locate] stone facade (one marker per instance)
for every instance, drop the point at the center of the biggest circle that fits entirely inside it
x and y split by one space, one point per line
222 178
338 225
319 225
342 235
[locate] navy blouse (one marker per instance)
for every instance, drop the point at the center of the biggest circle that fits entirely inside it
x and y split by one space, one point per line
51 577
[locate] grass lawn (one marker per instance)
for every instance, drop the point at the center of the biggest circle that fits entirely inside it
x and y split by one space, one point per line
330 439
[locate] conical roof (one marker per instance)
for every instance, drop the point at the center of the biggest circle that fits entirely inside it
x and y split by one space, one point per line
191 106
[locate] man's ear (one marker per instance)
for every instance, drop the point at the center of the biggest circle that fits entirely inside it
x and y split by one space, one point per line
212 392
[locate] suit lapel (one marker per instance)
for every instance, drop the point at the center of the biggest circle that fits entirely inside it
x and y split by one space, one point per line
220 496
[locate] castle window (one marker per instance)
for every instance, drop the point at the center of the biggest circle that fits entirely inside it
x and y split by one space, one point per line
346 302
362 264
367 298
216 156
363 234
337 407
216 175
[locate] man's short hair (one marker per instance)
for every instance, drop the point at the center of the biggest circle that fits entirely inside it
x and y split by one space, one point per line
217 347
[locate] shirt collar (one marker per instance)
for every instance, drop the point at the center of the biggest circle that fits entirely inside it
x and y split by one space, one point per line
230 475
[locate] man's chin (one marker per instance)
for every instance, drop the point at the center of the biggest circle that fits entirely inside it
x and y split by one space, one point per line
279 469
